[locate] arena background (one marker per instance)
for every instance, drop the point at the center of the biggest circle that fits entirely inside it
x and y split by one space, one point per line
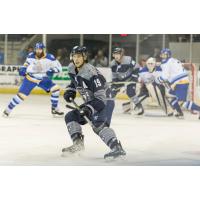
15 47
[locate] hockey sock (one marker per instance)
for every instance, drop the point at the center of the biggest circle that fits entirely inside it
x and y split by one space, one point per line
74 130
175 105
14 102
54 98
191 106
108 136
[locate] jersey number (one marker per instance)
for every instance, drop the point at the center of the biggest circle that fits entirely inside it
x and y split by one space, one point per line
97 82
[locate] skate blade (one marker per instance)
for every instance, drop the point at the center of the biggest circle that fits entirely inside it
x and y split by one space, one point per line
4 115
118 158
181 118
57 116
74 155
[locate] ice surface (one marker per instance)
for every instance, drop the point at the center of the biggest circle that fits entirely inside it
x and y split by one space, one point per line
31 136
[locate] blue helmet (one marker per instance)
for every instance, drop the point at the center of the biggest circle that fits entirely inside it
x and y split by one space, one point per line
39 45
166 52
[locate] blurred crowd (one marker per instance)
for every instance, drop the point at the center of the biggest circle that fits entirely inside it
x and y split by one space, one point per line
97 58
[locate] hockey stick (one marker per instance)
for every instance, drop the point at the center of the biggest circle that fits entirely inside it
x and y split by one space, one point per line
70 107
168 87
163 99
129 103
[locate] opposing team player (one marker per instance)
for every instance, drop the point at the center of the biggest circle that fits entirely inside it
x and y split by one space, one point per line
38 70
125 74
176 79
150 86
90 83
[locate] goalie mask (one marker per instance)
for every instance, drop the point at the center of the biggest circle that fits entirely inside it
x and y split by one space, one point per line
151 64
165 54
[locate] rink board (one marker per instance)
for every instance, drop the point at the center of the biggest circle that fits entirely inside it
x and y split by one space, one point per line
10 80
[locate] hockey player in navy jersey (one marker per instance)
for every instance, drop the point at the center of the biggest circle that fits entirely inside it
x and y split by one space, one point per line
38 70
124 73
90 83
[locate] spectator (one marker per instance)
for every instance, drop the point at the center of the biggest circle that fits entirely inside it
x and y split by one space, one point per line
62 57
142 62
1 56
22 56
100 60
156 54
30 49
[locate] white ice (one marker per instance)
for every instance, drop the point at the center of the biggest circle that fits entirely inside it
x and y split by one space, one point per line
31 136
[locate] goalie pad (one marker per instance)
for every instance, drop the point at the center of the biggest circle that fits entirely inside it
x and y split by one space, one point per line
157 93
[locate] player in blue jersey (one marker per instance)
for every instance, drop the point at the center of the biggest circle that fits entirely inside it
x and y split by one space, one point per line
38 70
176 80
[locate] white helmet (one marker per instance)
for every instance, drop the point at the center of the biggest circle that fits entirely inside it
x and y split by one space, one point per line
151 64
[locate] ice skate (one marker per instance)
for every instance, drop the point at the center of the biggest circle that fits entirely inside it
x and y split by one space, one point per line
56 112
171 114
139 110
77 147
179 115
127 107
6 113
116 152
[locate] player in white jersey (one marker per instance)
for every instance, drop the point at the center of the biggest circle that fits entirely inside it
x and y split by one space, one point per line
149 85
150 72
176 79
38 70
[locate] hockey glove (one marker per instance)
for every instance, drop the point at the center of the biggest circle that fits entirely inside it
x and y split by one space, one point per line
114 89
22 71
50 73
86 110
134 78
69 94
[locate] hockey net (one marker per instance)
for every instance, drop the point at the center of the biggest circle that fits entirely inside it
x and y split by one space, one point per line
194 94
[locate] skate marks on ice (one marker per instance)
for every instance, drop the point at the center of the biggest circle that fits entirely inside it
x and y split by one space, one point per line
31 136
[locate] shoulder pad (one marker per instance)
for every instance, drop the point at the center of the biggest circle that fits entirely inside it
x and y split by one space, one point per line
71 68
31 55
88 71
158 69
126 60
113 62
143 69
50 57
